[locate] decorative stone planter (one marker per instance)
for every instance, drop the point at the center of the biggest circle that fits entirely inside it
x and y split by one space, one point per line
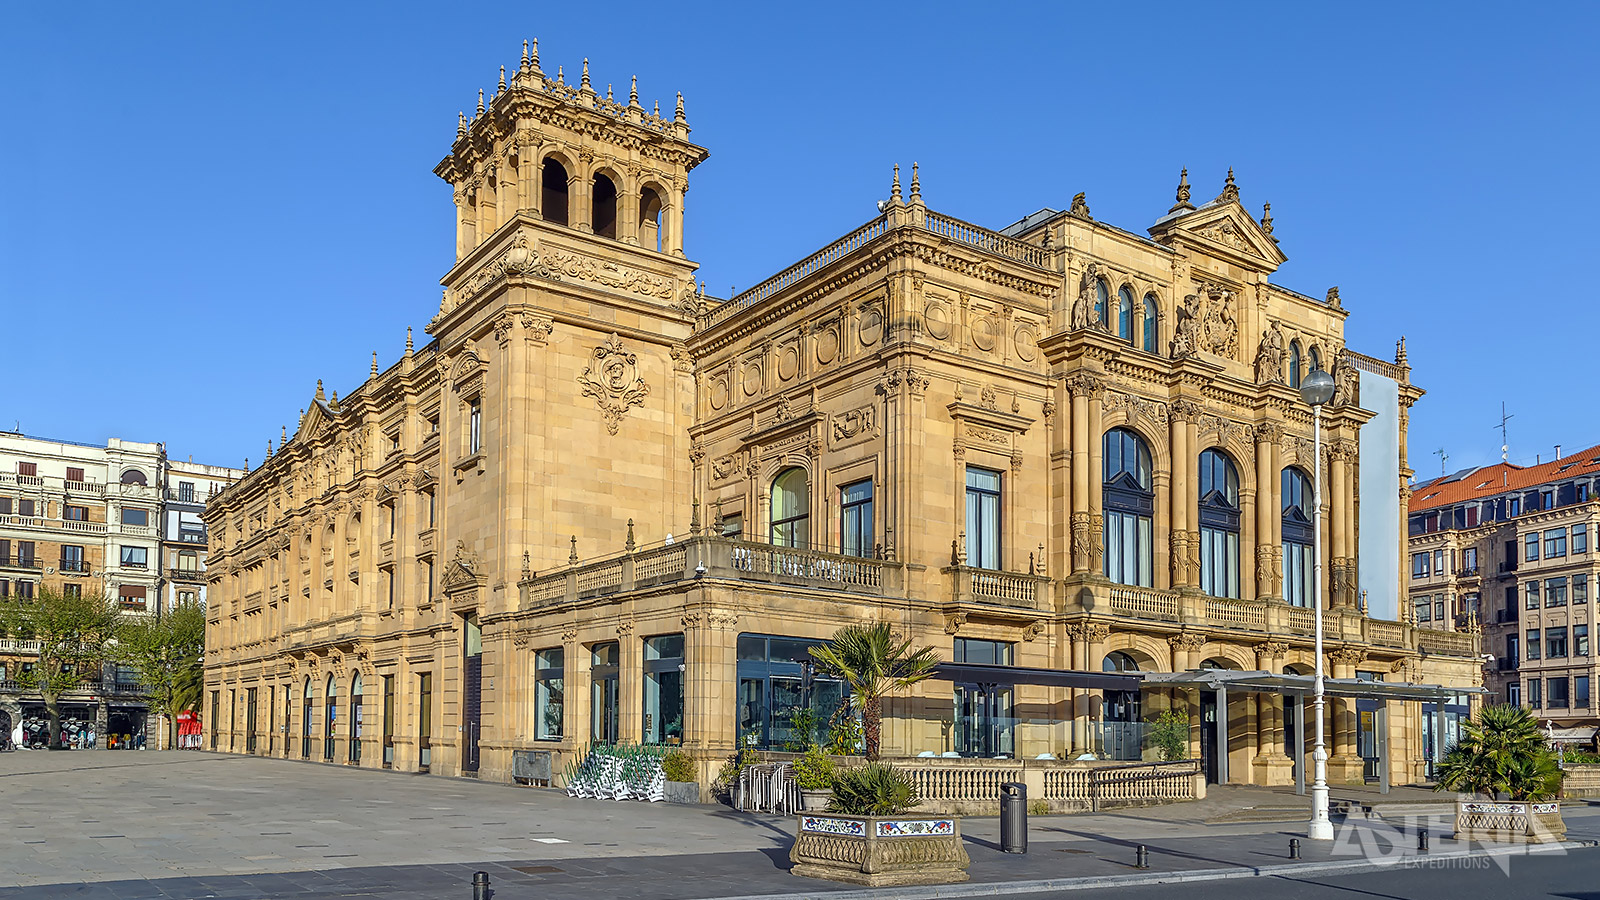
880 851
682 792
1510 821
815 801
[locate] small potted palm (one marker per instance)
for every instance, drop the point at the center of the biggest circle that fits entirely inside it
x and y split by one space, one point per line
868 837
813 774
1509 778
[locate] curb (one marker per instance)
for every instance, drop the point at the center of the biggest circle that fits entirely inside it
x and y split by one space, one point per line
1006 888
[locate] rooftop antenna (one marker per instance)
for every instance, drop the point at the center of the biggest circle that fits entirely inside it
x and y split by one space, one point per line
1505 445
1443 459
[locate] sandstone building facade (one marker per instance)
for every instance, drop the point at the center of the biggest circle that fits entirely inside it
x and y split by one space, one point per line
602 505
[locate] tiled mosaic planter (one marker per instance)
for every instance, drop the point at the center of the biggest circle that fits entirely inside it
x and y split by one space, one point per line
880 851
1510 821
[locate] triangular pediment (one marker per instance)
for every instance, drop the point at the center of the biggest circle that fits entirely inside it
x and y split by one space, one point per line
316 422
1223 229
457 576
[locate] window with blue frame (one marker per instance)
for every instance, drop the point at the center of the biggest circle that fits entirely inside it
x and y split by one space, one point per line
781 696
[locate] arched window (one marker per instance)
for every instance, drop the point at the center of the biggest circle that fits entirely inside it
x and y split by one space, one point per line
1125 314
603 206
308 705
1152 320
1298 568
650 219
134 476
355 718
1102 297
1129 502
1217 662
791 509
1219 525
1316 361
330 724
554 201
1294 364
1117 661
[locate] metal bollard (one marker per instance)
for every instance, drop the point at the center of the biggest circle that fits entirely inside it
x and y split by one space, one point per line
1294 848
1422 840
1014 817
480 886
1141 859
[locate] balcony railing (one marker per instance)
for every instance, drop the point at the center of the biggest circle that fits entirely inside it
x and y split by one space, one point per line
93 488
187 576
1144 603
13 645
1000 588
1467 572
24 480
1506 664
1504 616
10 561
178 496
78 566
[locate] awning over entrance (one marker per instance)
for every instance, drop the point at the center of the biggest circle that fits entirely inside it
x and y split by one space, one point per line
1267 682
979 673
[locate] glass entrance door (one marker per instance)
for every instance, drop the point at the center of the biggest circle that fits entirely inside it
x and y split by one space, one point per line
603 696
983 720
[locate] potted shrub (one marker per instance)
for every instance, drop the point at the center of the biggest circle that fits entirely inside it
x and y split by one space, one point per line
681 784
867 837
1509 777
813 774
874 663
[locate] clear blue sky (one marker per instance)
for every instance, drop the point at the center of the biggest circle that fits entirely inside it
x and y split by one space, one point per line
208 207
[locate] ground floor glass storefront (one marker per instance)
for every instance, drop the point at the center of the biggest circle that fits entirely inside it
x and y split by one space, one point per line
783 702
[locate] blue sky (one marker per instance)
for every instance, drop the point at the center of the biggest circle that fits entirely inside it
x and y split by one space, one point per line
208 207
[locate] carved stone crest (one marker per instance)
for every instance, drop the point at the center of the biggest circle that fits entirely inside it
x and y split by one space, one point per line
612 378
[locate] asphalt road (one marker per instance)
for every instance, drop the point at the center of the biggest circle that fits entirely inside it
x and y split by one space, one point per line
1574 875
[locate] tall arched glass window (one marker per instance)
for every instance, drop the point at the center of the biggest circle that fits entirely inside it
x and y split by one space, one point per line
308 704
1219 525
1316 361
554 196
1129 502
1294 364
330 724
1125 314
356 724
791 505
1102 298
1152 319
1298 568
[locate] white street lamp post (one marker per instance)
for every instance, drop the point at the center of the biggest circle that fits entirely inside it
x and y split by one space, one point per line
1317 389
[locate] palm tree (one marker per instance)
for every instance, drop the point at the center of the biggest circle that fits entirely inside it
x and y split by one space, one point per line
1501 753
874 664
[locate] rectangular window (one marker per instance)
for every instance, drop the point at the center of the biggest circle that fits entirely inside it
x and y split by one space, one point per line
1555 591
603 706
733 526
1419 565
5 587
1530 547
27 468
1469 560
72 558
549 699
1424 610
989 653
388 513
1532 644
388 580
24 590
25 553
429 496
1580 538
185 492
983 518
1580 640
5 506
855 519
24 507
1514 693
1555 543
1583 491
135 557
75 474
1513 649
75 513
1438 562
1534 700
1555 643
430 580
1580 692
1547 499
1556 693
475 426
1533 595
135 516
663 689
1580 588
72 589
1438 608
424 720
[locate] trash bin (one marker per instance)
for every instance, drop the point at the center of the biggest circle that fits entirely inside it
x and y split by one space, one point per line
1014 817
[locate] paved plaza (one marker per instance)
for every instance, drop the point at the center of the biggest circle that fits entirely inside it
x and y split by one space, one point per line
109 825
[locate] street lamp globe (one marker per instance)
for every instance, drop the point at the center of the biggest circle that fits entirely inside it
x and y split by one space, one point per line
1317 388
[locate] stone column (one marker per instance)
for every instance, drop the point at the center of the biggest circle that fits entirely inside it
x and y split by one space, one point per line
466 223
1081 385
630 685
1271 765
1185 492
672 216
1344 763
1339 501
1095 634
1095 438
1268 508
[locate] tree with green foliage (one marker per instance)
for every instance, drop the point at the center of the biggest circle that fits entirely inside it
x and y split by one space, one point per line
874 664
1503 752
74 631
168 653
1169 735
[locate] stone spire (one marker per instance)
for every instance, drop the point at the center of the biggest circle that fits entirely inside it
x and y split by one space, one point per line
333 402
1266 220
585 87
408 340
533 59
609 98
561 75
1400 352
319 390
916 184
269 448
1183 193
283 436
480 102
374 372
633 93
678 115
461 125
1230 191
894 189
502 88
524 66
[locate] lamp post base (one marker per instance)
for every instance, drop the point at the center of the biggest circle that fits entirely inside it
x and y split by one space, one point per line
1320 828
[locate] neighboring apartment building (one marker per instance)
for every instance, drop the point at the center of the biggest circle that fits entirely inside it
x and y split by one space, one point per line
1513 548
185 487
601 505
78 517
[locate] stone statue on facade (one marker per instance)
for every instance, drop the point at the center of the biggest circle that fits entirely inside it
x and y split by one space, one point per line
1269 357
1186 336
